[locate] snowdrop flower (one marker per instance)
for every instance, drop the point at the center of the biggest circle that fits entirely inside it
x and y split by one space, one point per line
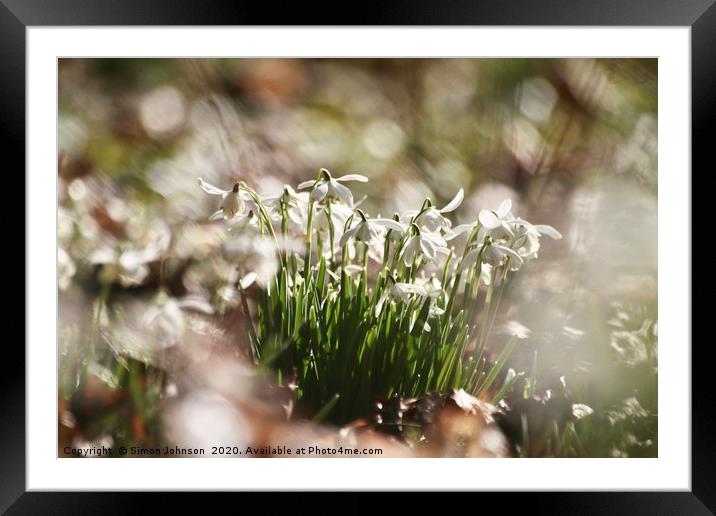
431 286
232 201
492 253
129 264
527 236
400 292
516 329
367 230
423 244
328 187
496 254
498 221
432 218
338 218
295 203
166 321
255 253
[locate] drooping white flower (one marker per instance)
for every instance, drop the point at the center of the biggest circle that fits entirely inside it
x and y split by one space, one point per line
127 262
497 222
493 253
527 237
232 201
295 202
339 215
256 254
432 218
367 230
400 292
328 187
423 244
166 321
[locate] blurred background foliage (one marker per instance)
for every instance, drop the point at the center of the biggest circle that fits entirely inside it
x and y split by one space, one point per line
573 142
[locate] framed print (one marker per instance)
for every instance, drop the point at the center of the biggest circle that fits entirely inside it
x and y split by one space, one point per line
450 242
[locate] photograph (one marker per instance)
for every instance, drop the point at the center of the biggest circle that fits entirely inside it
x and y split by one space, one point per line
357 257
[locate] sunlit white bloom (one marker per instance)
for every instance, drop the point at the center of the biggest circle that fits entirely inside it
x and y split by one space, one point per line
166 321
368 230
328 187
295 203
498 221
129 264
432 218
401 292
248 280
232 201
526 237
423 244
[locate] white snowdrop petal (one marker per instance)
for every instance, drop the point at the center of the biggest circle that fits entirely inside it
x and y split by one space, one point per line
319 192
211 189
248 280
488 219
509 252
504 209
455 203
427 247
342 193
306 184
458 230
352 177
217 215
348 235
390 224
549 231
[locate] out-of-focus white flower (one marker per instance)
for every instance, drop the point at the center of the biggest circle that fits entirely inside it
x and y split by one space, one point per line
496 254
432 219
328 187
256 254
579 410
186 420
65 267
339 215
493 253
129 264
431 286
166 321
295 202
516 329
423 244
232 201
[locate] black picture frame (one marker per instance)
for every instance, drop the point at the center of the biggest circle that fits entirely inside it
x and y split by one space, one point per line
700 15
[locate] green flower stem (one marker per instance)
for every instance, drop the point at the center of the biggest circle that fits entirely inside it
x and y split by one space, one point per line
309 238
